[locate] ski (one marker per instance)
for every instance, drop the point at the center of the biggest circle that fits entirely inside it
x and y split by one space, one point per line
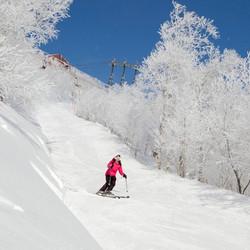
112 195
122 196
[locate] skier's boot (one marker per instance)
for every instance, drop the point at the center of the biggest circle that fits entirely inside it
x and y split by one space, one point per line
109 193
100 192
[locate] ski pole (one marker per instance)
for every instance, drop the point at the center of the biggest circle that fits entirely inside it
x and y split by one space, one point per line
126 184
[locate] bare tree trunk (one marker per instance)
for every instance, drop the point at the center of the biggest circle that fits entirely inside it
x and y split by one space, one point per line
161 143
168 162
201 155
227 183
159 151
182 166
135 153
244 190
146 147
201 162
159 159
182 154
233 168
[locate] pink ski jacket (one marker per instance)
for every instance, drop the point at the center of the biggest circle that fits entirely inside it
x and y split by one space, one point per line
116 167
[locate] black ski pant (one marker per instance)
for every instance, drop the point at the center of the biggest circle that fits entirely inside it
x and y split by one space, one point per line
110 183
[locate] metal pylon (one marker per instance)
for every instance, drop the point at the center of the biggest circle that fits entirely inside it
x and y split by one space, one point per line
111 79
136 67
123 73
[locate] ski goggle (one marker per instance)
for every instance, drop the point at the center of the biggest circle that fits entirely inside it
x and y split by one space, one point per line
117 156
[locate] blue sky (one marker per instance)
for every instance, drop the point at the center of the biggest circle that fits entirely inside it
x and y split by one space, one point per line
99 30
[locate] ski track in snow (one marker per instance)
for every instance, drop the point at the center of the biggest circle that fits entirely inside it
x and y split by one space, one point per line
163 212
9 204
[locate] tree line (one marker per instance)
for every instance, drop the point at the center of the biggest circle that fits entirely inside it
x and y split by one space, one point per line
189 108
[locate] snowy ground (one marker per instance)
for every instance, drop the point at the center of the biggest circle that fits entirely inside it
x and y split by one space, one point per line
164 211
32 215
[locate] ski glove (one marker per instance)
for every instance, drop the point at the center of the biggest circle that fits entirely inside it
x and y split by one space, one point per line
125 176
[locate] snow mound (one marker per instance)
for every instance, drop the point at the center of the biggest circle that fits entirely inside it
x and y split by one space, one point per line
32 214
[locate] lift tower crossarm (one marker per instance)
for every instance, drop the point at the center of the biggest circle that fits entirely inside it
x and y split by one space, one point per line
123 64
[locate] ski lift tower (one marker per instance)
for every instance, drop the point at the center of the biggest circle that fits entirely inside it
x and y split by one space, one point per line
136 67
123 64
111 80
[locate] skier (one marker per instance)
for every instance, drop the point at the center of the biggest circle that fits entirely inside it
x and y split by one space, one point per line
113 166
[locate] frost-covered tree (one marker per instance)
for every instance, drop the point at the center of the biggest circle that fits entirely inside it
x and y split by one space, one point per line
32 20
229 116
171 73
25 24
202 97
124 111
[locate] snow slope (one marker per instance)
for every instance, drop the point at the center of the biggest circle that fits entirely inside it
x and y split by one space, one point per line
32 215
164 211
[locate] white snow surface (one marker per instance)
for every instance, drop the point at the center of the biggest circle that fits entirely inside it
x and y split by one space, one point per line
163 211
32 214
